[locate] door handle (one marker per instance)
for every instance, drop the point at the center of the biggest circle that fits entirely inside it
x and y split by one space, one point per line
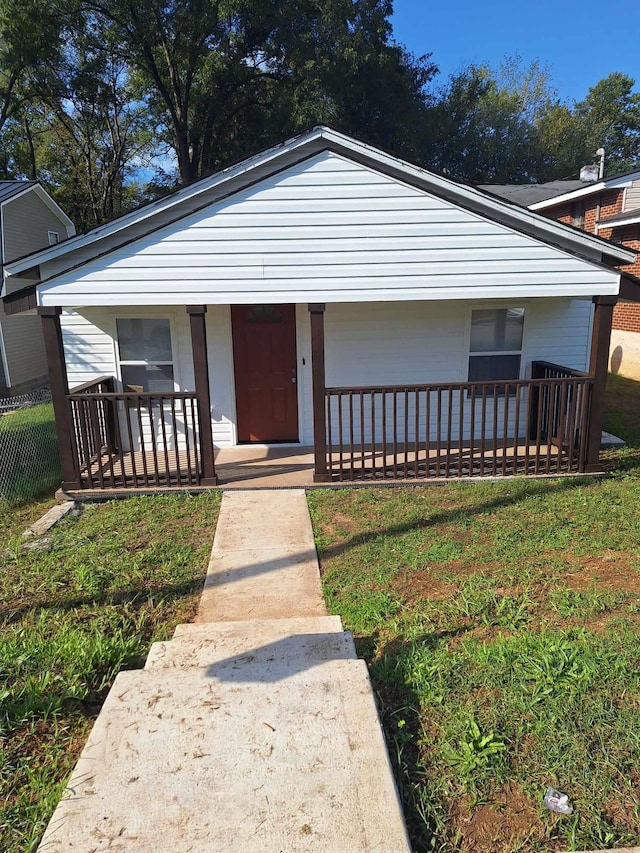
293 375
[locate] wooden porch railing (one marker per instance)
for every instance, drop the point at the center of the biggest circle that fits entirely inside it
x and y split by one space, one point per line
134 440
531 426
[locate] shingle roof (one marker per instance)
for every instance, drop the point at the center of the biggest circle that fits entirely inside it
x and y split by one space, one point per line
11 188
526 194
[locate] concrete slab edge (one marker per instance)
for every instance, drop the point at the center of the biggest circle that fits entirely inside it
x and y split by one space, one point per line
49 519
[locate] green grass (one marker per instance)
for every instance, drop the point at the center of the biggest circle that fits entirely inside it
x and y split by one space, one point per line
29 461
111 581
501 626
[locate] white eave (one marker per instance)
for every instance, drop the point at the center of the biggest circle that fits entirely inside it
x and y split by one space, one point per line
237 177
632 219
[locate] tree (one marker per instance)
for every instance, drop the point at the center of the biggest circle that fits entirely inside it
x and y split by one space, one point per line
483 125
609 117
226 77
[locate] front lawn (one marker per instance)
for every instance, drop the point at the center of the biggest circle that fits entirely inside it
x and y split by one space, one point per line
501 624
110 582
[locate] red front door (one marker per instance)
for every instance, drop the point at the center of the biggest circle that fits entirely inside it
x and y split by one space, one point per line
264 357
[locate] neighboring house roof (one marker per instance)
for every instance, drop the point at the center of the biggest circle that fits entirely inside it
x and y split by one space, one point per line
626 217
541 196
51 264
11 188
527 194
611 183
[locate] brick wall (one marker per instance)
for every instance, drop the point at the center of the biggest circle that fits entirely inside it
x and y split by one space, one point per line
626 316
629 236
595 207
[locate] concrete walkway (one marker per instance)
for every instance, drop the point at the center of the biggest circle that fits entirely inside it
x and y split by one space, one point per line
263 563
254 730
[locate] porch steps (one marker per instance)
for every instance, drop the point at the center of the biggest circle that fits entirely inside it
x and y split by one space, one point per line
257 745
263 630
224 645
241 735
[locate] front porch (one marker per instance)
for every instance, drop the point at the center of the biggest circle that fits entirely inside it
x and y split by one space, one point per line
126 442
114 441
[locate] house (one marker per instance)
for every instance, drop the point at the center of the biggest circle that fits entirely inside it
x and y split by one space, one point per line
609 208
325 295
29 220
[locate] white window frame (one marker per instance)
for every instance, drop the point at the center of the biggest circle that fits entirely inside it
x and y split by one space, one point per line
53 237
141 363
518 306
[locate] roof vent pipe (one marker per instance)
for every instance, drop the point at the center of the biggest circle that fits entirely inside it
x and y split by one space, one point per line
600 154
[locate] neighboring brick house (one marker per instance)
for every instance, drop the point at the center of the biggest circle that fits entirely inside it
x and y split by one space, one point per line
609 208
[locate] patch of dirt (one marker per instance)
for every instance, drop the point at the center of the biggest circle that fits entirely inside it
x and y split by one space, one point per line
347 523
511 818
611 570
600 624
415 586
622 816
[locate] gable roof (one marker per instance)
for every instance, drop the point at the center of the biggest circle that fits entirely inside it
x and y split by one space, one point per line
99 242
528 194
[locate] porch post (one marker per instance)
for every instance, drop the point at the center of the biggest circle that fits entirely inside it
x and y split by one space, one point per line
201 373
316 315
52 334
598 368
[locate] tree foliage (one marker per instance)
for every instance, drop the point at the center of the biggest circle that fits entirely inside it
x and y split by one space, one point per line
109 102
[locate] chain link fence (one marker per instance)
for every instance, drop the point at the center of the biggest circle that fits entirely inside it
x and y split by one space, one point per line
29 461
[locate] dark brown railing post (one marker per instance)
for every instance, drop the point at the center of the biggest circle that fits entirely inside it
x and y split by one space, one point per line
598 366
316 315
111 425
201 373
52 333
532 405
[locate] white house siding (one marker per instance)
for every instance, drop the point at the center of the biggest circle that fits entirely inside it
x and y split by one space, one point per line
428 343
365 344
328 230
89 337
89 346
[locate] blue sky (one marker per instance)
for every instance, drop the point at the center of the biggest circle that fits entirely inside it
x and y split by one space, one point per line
582 42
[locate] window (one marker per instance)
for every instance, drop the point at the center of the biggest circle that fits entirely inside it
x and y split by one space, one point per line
263 314
146 358
577 214
54 237
495 347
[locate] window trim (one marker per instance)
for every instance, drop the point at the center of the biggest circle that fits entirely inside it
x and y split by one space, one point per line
137 315
484 306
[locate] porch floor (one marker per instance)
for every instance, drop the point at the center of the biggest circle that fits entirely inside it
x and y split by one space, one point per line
260 467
